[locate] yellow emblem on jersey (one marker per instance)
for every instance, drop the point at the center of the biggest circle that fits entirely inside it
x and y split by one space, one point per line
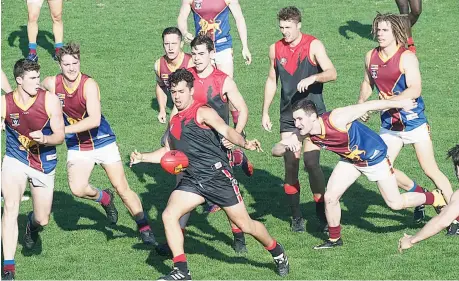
27 143
207 26
355 153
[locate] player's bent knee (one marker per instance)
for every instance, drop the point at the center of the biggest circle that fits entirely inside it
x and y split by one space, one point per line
331 198
169 216
396 205
78 190
33 18
57 18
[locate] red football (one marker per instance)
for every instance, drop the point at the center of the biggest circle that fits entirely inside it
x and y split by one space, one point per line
174 162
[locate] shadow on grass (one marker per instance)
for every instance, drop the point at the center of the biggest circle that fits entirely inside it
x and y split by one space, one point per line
45 40
362 30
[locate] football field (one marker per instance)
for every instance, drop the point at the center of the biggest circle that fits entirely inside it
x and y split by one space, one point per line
120 41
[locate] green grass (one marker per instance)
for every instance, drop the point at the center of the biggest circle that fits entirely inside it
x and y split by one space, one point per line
120 43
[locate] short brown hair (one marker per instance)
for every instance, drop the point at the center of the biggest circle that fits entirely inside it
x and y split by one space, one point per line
71 48
290 13
24 65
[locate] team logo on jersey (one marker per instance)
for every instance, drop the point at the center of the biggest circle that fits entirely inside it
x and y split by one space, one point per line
283 61
209 26
355 153
14 119
28 144
61 99
198 4
374 71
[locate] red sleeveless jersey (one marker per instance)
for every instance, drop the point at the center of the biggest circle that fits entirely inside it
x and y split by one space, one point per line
209 90
19 123
293 64
200 143
164 70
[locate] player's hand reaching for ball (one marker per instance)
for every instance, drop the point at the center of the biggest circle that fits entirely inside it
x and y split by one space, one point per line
38 137
253 145
136 157
404 243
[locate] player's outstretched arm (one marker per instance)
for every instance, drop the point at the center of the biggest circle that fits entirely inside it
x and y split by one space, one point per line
236 99
56 119
241 28
291 143
345 115
91 92
210 117
434 226
149 157
270 90
182 20
5 84
410 66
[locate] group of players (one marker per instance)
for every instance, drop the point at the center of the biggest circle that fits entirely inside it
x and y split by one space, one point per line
39 116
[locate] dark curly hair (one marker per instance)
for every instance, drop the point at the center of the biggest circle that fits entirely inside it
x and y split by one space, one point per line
454 154
181 75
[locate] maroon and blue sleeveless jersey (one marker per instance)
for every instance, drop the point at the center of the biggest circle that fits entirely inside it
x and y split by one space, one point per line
293 64
200 144
357 144
390 81
21 121
74 107
164 70
209 91
211 18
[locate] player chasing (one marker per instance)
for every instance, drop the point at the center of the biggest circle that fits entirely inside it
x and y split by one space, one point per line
395 73
195 130
448 215
301 62
90 140
174 58
362 151
218 90
34 126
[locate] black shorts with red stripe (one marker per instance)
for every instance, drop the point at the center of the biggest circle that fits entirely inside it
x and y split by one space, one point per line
222 189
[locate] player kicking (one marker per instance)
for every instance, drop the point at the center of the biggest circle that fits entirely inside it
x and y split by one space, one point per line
302 64
362 152
216 89
195 131
449 214
34 126
395 73
174 58
90 141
